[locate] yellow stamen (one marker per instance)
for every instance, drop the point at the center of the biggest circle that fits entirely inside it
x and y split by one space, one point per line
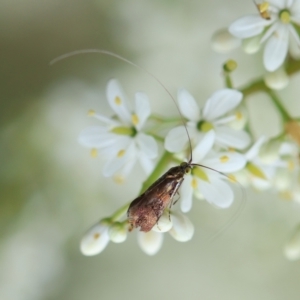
118 100
96 236
94 152
224 159
238 115
263 9
91 113
119 179
200 174
135 119
194 183
285 16
121 153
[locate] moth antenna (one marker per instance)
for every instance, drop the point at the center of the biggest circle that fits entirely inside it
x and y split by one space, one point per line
238 211
109 53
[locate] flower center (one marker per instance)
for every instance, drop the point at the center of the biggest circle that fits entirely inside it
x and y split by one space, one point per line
131 131
285 16
200 174
205 126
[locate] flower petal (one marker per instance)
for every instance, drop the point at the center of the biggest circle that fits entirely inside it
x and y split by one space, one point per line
147 145
96 137
164 223
226 162
204 146
188 105
276 49
183 229
117 100
176 140
254 150
220 103
142 109
186 194
248 26
226 136
95 239
146 163
150 242
217 192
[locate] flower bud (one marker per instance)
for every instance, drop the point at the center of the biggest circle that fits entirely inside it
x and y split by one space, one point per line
223 42
150 242
164 223
117 233
183 229
277 80
251 45
95 239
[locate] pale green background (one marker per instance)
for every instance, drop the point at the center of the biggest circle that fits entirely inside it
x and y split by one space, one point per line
52 191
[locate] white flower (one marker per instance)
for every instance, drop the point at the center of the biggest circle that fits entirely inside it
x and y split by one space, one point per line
223 42
276 29
117 233
277 80
181 229
95 239
206 182
211 118
120 139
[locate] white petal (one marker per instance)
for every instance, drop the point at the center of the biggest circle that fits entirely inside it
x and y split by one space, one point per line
204 146
220 103
117 233
142 109
146 163
226 162
252 45
116 163
183 229
254 150
223 42
277 80
164 223
270 31
176 140
278 3
217 192
294 34
186 194
188 105
150 242
96 137
276 49
95 239
248 26
226 136
117 100
147 145
106 120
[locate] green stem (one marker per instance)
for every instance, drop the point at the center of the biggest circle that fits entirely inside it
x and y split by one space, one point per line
285 115
228 81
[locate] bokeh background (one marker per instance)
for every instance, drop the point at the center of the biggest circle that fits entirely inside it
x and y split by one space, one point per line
51 190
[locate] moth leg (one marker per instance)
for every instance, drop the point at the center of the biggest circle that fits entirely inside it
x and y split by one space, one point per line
176 199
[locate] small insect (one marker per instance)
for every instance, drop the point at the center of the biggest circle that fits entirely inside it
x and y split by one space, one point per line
263 9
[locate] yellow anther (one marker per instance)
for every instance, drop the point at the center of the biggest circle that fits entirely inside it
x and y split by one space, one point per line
118 100
119 179
238 115
194 183
94 152
263 7
91 113
135 119
285 16
96 235
121 153
224 159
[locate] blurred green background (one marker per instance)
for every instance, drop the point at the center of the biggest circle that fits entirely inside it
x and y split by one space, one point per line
52 190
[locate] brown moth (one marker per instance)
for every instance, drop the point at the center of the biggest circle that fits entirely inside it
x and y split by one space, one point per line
145 211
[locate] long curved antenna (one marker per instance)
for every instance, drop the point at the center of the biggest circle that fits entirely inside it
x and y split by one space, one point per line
105 52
